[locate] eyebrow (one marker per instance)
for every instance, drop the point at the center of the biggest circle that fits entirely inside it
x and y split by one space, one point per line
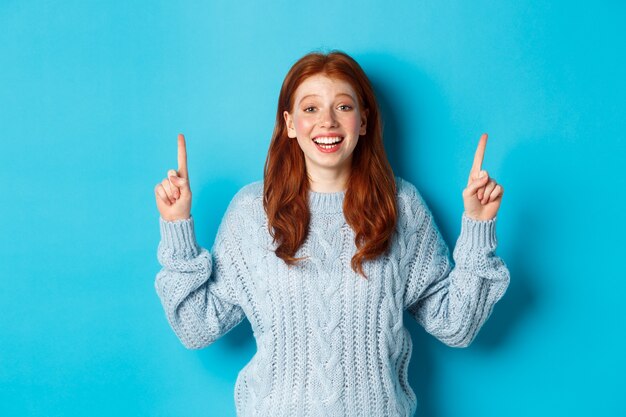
317 95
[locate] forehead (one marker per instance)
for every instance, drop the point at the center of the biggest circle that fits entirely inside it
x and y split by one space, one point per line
322 85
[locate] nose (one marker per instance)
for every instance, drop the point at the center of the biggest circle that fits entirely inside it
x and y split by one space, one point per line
327 118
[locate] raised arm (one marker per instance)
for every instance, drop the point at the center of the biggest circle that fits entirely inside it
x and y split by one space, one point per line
453 302
198 289
452 299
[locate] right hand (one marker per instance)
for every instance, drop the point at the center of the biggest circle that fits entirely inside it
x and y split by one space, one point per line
173 194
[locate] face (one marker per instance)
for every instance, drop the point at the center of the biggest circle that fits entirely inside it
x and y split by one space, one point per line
326 121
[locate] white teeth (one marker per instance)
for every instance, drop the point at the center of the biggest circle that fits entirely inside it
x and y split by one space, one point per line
328 140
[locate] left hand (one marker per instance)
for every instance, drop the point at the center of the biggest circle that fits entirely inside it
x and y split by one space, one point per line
483 195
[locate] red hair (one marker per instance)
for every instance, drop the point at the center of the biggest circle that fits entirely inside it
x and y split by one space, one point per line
369 205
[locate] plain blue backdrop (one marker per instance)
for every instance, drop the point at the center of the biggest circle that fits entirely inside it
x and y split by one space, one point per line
93 94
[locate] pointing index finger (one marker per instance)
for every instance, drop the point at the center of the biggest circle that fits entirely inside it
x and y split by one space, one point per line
182 157
479 155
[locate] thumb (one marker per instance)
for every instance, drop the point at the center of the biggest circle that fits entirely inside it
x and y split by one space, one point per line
476 184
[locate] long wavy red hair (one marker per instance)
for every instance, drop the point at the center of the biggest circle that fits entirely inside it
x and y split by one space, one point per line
369 205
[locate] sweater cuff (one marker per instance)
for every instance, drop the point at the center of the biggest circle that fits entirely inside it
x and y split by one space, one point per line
476 234
179 236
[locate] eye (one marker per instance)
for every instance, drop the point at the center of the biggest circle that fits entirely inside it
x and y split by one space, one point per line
309 109
345 107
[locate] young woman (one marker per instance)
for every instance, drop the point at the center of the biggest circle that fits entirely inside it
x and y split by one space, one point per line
325 254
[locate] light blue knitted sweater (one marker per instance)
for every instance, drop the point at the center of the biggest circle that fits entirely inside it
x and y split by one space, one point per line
329 343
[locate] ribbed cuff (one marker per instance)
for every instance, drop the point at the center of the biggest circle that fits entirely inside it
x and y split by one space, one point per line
179 236
478 233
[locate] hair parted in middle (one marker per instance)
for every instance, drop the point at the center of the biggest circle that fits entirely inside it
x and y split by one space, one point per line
369 205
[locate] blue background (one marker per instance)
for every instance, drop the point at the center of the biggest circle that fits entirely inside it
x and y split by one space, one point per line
93 94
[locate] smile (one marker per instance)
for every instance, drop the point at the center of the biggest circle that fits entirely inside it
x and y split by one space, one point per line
327 140
328 143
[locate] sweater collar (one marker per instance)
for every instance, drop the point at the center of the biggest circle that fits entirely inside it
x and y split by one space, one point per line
326 202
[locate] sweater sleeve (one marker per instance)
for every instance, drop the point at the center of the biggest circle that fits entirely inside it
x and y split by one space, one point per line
452 300
198 289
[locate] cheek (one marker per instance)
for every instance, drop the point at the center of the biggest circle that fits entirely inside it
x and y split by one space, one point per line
303 125
352 122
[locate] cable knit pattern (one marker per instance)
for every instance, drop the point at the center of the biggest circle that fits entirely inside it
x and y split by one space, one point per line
329 343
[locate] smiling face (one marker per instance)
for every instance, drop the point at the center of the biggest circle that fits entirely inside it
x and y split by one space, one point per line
327 121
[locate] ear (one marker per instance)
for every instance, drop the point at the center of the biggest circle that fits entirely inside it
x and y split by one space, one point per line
364 114
291 131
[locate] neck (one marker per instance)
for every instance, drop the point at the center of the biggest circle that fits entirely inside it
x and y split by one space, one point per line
330 181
